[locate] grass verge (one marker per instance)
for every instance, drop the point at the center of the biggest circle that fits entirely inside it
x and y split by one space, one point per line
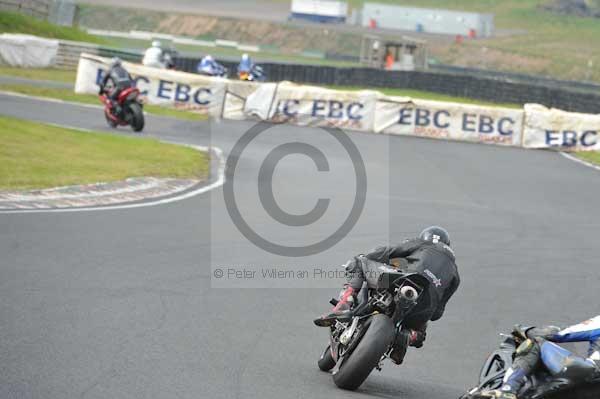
36 155
11 22
531 39
592 157
69 95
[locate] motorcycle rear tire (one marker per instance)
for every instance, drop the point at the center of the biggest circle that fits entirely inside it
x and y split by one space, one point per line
356 368
326 361
137 117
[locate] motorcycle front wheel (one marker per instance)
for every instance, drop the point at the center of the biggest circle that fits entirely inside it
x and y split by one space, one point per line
326 361
356 368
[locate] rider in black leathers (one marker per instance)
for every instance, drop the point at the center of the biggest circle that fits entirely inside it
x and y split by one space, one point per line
431 256
120 80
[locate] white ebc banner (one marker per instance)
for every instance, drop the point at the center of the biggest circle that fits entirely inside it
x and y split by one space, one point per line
451 121
158 86
237 96
567 131
314 106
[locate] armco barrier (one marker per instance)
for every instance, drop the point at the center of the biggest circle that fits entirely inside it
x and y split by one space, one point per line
69 53
36 8
535 126
504 88
514 77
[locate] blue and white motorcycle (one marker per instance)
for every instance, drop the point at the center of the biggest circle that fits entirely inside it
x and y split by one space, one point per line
563 375
209 67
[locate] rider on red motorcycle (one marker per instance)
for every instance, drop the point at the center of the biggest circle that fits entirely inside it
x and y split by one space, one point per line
120 80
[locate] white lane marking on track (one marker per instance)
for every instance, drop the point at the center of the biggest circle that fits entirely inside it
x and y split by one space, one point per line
81 129
580 161
219 182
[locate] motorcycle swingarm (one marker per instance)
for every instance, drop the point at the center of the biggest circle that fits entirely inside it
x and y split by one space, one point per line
353 343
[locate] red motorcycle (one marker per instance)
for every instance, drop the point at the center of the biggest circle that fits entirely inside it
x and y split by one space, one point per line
127 111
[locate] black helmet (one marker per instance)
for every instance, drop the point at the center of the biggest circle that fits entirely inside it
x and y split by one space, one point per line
435 234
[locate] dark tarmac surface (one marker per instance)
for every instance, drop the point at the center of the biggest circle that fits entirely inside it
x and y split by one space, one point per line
119 304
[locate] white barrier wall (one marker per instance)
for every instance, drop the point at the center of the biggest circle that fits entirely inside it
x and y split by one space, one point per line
450 121
158 86
236 98
567 131
27 51
314 106
532 127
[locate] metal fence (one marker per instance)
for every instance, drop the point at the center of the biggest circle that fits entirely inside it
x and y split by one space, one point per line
36 8
58 12
69 52
62 12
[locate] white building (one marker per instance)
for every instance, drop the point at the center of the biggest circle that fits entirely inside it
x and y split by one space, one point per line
427 20
319 10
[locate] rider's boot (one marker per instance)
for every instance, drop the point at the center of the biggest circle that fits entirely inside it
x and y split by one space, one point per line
115 107
414 336
417 335
401 342
118 109
497 394
341 309
511 386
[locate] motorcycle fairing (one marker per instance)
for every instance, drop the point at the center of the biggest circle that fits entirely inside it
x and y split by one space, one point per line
563 363
125 93
587 331
381 275
554 356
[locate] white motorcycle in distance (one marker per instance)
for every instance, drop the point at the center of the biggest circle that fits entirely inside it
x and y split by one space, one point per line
156 57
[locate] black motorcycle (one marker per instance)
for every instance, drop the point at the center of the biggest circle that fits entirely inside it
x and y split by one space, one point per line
573 378
362 339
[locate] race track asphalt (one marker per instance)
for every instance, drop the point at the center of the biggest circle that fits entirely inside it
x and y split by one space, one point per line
264 10
118 304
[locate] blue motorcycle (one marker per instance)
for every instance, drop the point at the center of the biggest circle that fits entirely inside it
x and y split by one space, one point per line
563 375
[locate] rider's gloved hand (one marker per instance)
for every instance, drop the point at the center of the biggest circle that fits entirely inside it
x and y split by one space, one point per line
520 333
